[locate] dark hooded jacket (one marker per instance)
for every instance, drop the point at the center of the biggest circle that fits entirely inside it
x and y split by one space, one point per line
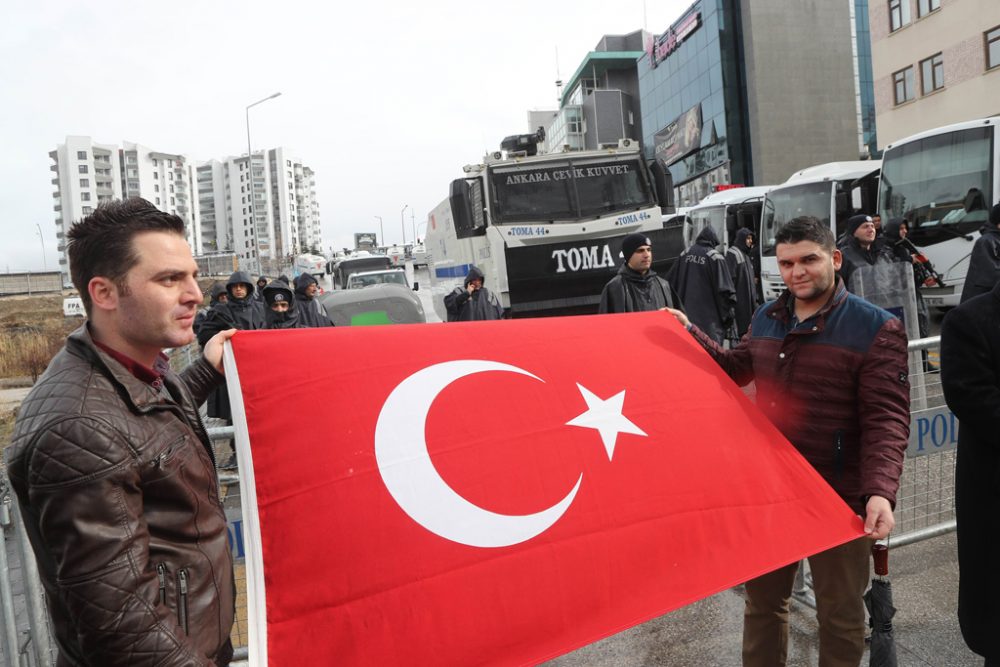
634 292
217 290
744 281
701 277
856 257
258 292
899 250
984 263
970 377
480 305
311 312
288 319
245 314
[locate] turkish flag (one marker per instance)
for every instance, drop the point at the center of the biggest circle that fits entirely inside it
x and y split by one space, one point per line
501 492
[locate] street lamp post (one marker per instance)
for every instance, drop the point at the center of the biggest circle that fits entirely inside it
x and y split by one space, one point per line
42 239
253 215
413 223
381 231
402 221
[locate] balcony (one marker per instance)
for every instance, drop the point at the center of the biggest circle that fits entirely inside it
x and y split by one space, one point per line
57 208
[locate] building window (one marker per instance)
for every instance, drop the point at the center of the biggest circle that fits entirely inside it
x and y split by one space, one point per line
288 163
925 7
171 187
932 74
903 84
84 196
87 210
130 159
156 162
899 14
170 175
993 48
83 169
84 182
157 201
156 175
156 187
81 155
172 202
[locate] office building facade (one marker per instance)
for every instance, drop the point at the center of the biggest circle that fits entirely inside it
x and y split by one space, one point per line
934 62
749 92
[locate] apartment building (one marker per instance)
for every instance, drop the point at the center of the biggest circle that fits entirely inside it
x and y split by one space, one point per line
85 174
934 62
276 215
165 180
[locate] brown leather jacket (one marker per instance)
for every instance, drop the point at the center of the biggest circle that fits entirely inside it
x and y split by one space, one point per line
119 495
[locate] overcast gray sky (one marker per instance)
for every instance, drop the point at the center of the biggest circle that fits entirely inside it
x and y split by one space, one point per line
385 100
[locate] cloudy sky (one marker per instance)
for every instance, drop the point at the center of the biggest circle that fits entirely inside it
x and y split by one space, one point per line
385 100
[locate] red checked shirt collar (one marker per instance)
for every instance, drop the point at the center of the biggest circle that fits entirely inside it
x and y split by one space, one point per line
151 376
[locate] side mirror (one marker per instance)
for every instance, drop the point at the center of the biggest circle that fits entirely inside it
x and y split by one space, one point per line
466 200
416 287
663 182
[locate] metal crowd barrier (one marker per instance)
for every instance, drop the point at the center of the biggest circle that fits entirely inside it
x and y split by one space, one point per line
925 509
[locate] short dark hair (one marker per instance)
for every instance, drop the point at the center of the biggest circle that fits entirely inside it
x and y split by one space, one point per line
806 228
101 243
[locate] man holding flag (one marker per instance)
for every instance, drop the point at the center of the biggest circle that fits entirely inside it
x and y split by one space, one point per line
831 374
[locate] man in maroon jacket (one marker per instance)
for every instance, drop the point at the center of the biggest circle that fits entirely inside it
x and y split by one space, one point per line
831 374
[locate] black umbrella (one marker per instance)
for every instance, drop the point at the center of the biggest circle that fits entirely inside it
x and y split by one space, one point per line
878 599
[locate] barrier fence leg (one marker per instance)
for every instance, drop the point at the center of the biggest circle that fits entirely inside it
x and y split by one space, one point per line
9 635
37 614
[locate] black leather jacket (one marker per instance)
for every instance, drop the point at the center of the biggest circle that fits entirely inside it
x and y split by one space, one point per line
117 486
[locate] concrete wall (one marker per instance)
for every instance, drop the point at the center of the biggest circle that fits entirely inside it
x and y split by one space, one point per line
956 31
800 85
30 283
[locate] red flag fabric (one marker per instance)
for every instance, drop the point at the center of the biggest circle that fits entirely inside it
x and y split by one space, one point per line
501 492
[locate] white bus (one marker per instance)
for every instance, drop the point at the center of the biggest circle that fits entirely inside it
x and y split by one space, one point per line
831 192
943 182
726 211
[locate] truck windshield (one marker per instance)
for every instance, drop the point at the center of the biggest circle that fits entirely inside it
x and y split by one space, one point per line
568 190
941 185
783 204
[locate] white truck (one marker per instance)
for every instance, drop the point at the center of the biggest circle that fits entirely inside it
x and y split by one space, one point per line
831 192
546 229
314 265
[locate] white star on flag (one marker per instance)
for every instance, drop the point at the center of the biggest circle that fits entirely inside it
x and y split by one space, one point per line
606 417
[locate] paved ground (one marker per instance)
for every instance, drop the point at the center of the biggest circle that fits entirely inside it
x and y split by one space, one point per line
924 578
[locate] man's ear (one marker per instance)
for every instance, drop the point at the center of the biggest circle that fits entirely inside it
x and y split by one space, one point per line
838 259
103 293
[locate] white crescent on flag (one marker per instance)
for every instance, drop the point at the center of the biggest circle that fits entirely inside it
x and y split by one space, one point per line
414 482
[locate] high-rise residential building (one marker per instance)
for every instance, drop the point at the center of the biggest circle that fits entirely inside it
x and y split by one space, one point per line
216 198
934 63
213 206
165 180
85 173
